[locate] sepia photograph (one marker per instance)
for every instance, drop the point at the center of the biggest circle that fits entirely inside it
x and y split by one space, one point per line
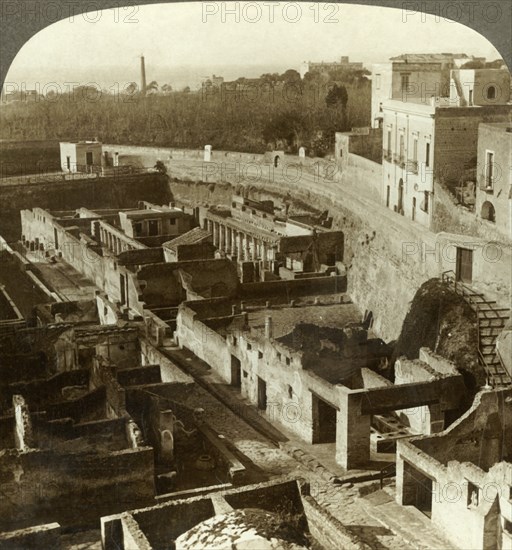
255 275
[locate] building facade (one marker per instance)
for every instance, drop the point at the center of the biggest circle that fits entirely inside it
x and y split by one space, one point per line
342 64
494 176
429 113
81 156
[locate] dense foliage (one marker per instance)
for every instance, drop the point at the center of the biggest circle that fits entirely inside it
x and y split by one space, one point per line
252 115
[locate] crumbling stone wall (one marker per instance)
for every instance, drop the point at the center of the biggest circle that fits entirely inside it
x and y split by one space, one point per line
72 489
116 191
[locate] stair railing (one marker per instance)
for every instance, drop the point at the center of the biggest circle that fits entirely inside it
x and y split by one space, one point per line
468 293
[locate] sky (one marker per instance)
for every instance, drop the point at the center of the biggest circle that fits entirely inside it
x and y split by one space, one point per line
182 43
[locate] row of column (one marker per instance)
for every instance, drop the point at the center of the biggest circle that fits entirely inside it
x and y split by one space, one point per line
238 244
112 242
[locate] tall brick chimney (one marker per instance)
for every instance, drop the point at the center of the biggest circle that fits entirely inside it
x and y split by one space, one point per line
142 75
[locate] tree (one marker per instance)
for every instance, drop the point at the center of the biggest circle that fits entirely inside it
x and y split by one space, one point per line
166 88
152 86
132 88
291 75
337 97
269 78
287 127
160 167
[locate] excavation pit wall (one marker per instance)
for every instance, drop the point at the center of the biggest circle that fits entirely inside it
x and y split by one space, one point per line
41 486
159 526
387 256
471 456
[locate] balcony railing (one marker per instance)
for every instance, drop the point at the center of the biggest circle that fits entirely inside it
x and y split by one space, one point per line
386 155
412 166
400 160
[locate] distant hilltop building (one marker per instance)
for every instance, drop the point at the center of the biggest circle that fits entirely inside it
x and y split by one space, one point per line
344 63
19 95
213 81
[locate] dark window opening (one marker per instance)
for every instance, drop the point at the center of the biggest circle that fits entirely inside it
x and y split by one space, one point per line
425 202
473 494
137 229
488 212
489 174
153 228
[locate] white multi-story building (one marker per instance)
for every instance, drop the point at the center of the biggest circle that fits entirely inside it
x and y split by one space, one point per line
429 114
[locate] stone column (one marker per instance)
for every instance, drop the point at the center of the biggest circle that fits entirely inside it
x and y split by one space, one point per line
166 428
23 438
264 258
222 237
228 242
247 251
216 231
233 242
352 431
239 248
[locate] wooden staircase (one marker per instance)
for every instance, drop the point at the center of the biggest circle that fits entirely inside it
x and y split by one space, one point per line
491 320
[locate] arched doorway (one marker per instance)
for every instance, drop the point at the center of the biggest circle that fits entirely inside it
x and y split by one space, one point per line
488 212
276 161
400 206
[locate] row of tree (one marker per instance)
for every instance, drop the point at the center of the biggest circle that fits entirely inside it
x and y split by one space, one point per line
253 115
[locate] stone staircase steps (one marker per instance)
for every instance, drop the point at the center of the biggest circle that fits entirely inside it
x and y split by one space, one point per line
493 332
407 522
491 320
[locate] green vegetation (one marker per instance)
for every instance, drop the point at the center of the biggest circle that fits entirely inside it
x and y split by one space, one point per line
251 115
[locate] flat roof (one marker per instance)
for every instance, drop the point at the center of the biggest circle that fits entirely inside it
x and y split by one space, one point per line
150 213
285 319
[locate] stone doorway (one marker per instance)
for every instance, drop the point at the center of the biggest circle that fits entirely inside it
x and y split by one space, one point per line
417 490
400 206
324 421
262 394
236 372
493 531
464 265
